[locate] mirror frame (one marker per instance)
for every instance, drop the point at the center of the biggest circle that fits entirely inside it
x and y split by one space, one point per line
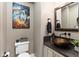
63 29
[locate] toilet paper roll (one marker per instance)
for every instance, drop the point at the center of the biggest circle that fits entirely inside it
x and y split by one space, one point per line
6 54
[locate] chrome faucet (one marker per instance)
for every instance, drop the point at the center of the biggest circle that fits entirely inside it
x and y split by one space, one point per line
69 34
63 34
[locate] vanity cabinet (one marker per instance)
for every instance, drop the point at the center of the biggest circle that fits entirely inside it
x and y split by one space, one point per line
48 52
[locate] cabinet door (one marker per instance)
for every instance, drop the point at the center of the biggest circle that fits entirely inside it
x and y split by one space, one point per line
45 51
53 53
56 54
49 53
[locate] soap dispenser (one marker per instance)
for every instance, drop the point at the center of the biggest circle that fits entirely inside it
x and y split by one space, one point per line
49 27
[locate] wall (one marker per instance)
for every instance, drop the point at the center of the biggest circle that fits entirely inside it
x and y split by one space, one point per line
3 28
13 34
47 11
8 35
37 29
37 25
42 11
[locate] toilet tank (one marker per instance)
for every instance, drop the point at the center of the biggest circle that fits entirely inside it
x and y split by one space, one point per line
22 47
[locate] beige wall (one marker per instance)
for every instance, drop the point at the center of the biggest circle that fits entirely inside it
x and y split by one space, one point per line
37 25
37 29
3 28
42 11
13 34
8 35
47 11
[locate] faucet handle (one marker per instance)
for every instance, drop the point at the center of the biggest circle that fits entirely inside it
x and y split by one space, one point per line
65 33
69 34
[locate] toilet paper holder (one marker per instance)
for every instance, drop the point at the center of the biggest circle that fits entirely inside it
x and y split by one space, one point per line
6 54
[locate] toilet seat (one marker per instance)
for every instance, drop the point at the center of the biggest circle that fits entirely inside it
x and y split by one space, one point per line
24 55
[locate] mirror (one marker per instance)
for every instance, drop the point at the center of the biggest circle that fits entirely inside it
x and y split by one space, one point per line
66 17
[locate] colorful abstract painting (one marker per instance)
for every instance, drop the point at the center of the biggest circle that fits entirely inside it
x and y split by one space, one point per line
20 16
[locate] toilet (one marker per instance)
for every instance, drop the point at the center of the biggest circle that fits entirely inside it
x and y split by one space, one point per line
22 49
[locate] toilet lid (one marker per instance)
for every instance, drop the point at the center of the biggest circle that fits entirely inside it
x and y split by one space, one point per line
24 55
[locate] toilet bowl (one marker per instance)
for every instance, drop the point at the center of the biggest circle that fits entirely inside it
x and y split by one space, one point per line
24 55
22 49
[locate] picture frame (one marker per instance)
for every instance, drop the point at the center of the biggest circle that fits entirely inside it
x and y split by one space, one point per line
20 16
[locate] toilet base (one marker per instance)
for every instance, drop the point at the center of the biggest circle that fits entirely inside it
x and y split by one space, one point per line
24 55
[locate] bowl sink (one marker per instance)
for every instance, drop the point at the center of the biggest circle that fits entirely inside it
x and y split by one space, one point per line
62 43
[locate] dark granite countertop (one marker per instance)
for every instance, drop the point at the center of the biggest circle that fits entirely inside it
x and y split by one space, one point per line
65 52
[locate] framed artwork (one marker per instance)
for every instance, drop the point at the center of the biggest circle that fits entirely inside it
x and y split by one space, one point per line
20 16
